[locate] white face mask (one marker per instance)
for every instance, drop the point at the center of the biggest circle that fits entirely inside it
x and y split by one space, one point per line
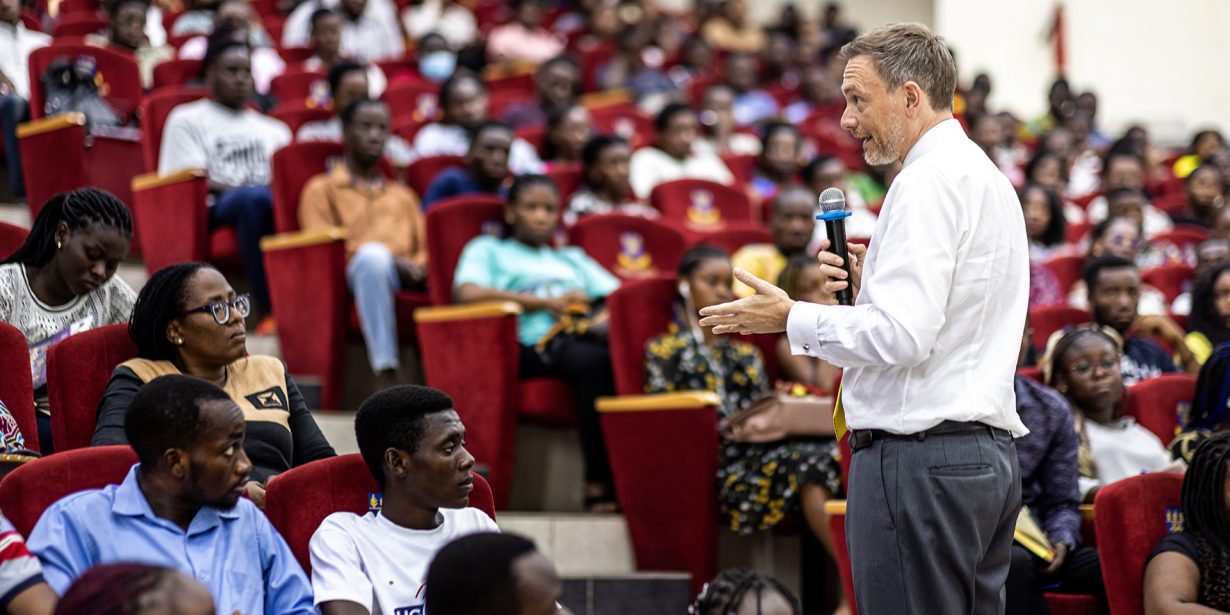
437 65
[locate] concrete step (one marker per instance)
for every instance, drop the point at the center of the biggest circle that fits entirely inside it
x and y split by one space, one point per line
580 544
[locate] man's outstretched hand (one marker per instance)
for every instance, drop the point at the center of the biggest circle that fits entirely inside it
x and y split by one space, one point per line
764 312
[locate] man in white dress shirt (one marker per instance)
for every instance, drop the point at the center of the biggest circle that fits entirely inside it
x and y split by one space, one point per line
929 348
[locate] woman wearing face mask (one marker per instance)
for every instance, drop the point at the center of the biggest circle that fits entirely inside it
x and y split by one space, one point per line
188 320
1084 365
546 282
62 280
758 484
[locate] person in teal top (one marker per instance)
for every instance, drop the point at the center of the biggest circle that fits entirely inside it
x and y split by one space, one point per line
544 280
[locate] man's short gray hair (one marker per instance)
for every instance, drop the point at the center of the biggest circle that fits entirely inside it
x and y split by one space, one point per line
909 52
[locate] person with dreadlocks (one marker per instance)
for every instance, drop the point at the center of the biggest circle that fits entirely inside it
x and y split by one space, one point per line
62 279
1208 413
1083 364
135 589
743 591
1209 323
1189 570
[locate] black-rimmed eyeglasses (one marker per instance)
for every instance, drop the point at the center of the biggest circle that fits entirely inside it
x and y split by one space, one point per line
221 310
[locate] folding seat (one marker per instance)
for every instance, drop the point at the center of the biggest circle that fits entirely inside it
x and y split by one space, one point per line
78 369
30 489
17 384
1067 270
702 207
296 114
630 247
737 235
118 75
568 178
742 166
1047 320
1131 516
296 85
423 171
1169 279
624 120
176 72
299 499
77 24
1155 403
417 99
11 238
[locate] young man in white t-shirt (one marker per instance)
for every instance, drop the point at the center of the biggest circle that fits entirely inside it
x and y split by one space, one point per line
414 444
235 145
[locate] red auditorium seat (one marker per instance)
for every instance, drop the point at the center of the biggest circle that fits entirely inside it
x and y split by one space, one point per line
448 334
1182 236
27 491
1047 320
742 166
630 247
294 86
296 114
1169 279
624 120
1155 403
701 206
1131 516
120 78
77 25
735 236
421 172
16 383
78 370
176 73
418 99
1066 269
11 238
299 499
314 320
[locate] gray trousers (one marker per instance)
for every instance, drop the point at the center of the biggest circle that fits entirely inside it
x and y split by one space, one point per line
929 523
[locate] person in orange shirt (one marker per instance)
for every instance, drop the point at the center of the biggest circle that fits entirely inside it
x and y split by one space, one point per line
385 245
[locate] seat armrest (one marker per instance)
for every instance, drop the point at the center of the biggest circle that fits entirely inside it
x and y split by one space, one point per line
688 400
174 215
303 239
469 311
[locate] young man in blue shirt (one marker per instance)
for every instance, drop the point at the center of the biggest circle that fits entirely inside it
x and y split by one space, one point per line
486 166
179 507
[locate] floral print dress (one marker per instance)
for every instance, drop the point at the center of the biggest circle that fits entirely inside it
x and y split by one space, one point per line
758 484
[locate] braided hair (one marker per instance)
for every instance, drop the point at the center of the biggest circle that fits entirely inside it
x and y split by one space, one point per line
724 594
159 302
77 209
1061 342
1208 410
1204 318
1203 500
118 589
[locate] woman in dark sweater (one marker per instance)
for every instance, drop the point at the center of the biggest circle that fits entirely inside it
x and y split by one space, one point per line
188 320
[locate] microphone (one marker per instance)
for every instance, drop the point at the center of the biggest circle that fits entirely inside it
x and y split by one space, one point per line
834 214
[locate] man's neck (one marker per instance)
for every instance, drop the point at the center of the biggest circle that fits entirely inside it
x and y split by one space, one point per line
397 508
930 119
362 170
159 492
228 106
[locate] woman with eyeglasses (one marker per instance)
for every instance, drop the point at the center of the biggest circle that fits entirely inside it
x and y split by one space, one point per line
188 320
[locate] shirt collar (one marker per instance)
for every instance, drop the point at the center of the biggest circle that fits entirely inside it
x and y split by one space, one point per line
342 178
130 502
946 131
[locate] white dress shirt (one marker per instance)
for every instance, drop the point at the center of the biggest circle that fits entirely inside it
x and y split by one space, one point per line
374 37
651 166
16 44
936 329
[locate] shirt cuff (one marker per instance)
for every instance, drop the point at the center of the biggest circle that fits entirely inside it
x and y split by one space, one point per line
801 327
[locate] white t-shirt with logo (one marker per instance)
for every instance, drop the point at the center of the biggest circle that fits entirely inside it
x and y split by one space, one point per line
235 147
371 561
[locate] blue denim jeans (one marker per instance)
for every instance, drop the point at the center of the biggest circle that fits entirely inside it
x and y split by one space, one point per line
372 277
250 210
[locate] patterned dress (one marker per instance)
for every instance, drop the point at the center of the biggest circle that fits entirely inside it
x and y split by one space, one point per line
758 484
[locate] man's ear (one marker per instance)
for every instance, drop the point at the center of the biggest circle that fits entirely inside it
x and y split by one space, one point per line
397 464
177 462
915 98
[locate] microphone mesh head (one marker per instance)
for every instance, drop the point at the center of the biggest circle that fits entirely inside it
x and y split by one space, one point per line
832 199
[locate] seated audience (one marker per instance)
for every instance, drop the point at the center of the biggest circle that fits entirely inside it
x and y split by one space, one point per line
1114 285
752 104
1049 170
1125 170
62 280
1209 322
604 182
629 70
1206 414
1120 238
126 33
696 62
987 131
778 165
758 483
816 92
731 30
11 440
742 590
493 574
136 589
1049 489
523 39
830 172
15 77
188 320
1044 223
486 167
414 444
1187 571
564 280
348 83
235 145
452 21
672 156
792 219
556 85
1205 197
1084 365
568 130
22 588
180 506
238 17
463 105
1205 143
326 44
436 61
369 28
717 120
803 281
386 247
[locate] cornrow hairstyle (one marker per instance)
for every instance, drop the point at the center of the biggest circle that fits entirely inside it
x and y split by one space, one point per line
522 182
1061 342
160 301
697 254
116 589
724 594
788 280
1203 501
1208 410
77 209
1204 318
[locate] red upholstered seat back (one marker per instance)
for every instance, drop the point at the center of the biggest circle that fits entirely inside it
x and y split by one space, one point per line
423 171
28 490
78 370
299 500
1169 279
293 166
736 236
1155 402
295 85
154 111
176 72
451 224
296 114
701 205
1131 516
77 24
16 383
1047 320
11 238
624 120
630 247
418 99
639 312
118 71
1067 270
568 178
